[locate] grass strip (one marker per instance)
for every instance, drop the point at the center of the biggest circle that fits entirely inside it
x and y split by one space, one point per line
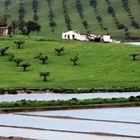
71 102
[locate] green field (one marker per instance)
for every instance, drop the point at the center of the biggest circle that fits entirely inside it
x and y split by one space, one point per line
76 22
100 65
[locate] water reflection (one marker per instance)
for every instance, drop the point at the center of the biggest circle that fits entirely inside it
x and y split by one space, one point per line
134 43
56 96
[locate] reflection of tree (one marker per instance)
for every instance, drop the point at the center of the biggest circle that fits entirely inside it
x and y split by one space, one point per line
35 9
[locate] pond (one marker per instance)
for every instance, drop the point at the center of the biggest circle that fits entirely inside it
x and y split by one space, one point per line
56 96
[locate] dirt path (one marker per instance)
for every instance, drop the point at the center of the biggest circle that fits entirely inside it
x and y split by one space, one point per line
14 138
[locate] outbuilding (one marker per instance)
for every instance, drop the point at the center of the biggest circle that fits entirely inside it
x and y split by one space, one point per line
3 31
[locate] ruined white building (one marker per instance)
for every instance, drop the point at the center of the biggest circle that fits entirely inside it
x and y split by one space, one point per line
107 39
3 31
76 35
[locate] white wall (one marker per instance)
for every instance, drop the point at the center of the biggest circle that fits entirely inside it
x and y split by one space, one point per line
106 38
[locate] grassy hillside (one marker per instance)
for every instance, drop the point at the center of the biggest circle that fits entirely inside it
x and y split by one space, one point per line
88 14
100 65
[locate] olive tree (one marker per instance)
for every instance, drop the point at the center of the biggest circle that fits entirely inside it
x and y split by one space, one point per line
59 50
134 55
3 50
11 57
42 58
45 75
38 56
25 66
18 61
74 59
19 43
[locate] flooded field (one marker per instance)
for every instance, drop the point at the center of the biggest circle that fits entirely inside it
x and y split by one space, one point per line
56 96
48 135
117 114
89 124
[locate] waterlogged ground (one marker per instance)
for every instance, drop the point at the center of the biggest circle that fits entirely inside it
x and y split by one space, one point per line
97 124
56 96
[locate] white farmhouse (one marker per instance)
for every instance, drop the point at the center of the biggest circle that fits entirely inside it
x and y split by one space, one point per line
75 35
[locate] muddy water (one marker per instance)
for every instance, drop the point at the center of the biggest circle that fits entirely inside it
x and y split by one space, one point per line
53 96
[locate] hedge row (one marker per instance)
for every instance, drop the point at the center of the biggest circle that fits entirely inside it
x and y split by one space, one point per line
73 101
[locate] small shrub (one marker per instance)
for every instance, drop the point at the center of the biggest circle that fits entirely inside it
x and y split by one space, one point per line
18 61
134 55
131 98
44 59
74 59
3 51
19 43
59 50
11 57
38 56
25 66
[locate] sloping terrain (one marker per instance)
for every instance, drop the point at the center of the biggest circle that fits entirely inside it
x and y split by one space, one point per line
99 65
120 18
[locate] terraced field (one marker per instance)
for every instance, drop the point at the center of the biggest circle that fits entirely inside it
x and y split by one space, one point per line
120 18
97 124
